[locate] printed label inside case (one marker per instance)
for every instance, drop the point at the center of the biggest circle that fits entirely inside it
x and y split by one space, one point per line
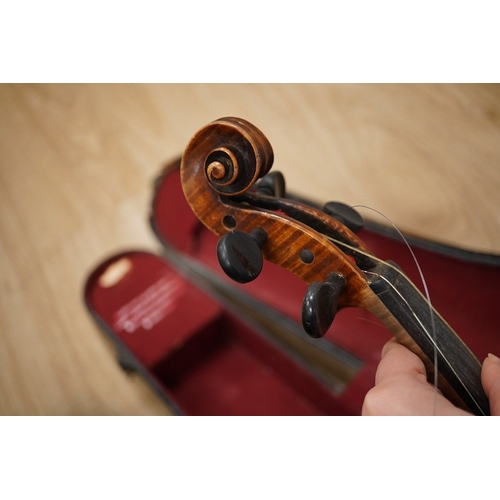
151 306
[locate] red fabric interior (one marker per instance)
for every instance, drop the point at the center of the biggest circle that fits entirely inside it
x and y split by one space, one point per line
205 360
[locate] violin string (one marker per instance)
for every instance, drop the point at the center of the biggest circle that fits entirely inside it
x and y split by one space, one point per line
425 288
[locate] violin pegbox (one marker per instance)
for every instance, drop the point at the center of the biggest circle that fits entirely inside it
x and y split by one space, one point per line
226 181
240 254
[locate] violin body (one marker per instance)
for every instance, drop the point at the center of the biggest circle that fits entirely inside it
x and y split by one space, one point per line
247 353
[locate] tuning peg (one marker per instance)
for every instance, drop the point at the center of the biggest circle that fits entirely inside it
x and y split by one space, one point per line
320 304
344 214
240 254
273 184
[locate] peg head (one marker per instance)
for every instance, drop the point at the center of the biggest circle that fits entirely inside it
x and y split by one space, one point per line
240 254
320 304
345 215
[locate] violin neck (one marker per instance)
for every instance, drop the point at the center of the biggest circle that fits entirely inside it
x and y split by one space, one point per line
420 328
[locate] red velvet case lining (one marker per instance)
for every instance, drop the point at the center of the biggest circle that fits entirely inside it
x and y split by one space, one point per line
203 359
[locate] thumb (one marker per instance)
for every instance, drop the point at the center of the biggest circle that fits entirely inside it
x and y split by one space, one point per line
490 378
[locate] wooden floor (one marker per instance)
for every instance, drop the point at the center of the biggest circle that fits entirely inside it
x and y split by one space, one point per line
77 164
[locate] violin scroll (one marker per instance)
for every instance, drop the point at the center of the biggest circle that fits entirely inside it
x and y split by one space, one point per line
233 153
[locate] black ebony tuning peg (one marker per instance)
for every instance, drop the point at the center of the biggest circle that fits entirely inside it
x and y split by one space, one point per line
320 304
240 254
273 184
344 214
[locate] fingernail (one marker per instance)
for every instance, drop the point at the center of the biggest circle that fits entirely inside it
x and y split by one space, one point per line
494 358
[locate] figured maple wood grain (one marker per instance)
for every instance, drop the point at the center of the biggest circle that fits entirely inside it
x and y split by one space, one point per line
76 169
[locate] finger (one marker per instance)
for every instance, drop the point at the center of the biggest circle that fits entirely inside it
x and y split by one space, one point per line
401 387
397 359
490 378
400 384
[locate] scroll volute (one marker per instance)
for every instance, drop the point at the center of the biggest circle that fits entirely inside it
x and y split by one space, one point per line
220 163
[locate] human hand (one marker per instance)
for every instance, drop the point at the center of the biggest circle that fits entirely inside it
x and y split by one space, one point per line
401 386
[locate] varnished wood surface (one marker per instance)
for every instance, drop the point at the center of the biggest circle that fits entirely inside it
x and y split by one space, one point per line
76 169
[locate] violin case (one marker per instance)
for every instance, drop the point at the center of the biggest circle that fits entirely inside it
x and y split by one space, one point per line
210 346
